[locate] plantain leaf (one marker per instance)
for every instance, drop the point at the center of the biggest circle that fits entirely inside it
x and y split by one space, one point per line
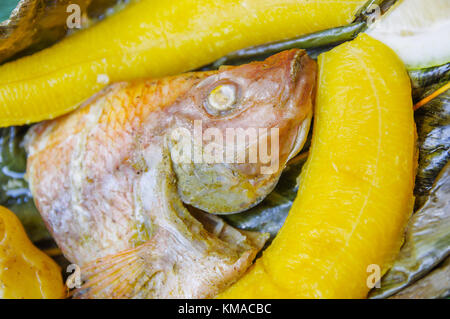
423 78
433 128
427 241
315 43
434 285
14 192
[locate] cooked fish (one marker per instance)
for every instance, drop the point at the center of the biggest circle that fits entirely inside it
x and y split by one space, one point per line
110 184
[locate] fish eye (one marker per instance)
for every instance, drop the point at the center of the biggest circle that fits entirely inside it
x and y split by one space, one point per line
221 99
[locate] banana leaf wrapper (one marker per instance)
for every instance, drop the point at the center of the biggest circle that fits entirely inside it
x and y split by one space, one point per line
423 78
314 43
433 129
435 285
427 244
14 191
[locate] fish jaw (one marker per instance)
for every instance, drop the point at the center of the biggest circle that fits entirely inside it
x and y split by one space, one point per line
276 101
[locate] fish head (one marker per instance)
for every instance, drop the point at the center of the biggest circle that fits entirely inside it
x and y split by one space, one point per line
237 128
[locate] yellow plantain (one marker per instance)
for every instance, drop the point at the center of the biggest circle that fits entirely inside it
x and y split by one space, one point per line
356 190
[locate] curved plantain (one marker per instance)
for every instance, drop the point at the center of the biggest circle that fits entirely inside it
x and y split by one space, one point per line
356 189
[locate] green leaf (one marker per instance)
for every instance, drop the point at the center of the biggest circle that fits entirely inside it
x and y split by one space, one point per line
423 78
427 241
313 42
433 129
434 285
14 192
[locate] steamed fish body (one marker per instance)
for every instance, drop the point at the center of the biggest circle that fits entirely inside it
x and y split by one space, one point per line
110 182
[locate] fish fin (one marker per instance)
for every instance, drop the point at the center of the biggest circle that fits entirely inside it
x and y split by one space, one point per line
158 267
116 276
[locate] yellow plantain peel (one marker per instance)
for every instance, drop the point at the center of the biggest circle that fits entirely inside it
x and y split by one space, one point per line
153 39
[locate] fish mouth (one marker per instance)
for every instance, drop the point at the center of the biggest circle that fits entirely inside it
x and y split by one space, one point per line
301 136
297 67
